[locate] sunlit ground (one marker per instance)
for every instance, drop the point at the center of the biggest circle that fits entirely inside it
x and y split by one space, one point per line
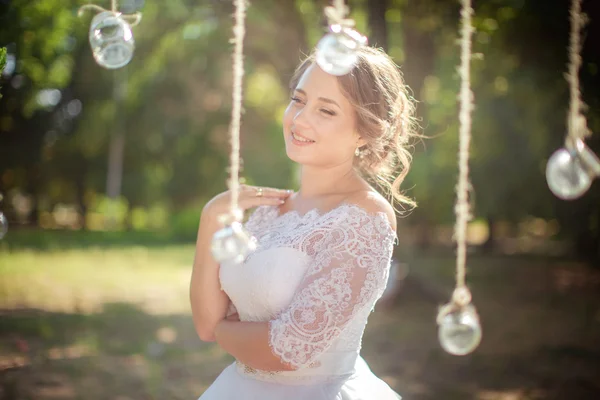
113 322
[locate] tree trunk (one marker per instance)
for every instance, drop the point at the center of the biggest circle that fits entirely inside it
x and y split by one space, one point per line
377 24
80 192
116 149
33 190
419 48
490 243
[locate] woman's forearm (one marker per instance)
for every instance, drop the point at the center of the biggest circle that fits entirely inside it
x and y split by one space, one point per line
248 342
208 302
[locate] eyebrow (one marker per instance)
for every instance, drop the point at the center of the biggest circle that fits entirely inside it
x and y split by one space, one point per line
323 99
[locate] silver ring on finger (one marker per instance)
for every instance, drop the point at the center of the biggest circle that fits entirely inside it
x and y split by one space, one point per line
259 192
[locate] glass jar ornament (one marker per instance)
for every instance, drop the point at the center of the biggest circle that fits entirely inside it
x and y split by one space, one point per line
571 170
459 330
233 242
3 225
337 51
111 40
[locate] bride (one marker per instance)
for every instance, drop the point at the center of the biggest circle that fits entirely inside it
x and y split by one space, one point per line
294 312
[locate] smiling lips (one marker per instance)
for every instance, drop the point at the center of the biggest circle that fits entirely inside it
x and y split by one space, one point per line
300 140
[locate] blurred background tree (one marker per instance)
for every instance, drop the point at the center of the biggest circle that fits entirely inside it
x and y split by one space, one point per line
143 147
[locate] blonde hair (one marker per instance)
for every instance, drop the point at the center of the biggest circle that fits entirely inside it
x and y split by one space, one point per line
385 119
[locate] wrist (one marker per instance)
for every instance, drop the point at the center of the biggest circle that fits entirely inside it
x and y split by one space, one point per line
219 329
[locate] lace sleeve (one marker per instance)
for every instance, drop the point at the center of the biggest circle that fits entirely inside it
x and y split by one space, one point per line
348 274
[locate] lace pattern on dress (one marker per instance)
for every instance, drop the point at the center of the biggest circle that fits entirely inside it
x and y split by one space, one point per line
351 252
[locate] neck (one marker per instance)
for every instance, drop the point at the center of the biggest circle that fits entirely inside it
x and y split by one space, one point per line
315 182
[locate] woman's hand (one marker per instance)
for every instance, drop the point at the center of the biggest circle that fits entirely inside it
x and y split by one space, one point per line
249 197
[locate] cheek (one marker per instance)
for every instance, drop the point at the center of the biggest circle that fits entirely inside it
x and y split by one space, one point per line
337 130
288 116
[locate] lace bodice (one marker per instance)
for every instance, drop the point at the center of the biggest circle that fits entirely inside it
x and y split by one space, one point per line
315 278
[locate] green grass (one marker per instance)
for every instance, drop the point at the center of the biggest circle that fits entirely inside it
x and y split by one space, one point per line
79 279
59 240
90 317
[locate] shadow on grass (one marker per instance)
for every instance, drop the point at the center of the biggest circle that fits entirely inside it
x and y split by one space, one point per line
540 335
121 351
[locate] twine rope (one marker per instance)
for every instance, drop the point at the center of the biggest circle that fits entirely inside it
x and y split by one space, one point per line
336 14
238 74
462 210
576 122
133 19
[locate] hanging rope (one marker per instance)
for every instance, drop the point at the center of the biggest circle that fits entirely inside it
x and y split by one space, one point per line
336 14
238 74
132 19
576 122
462 295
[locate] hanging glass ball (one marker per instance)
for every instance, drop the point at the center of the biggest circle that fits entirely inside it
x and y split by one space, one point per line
3 225
459 331
589 160
111 40
232 243
567 177
337 51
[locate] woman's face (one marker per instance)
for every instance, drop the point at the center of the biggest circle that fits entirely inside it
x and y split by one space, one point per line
319 124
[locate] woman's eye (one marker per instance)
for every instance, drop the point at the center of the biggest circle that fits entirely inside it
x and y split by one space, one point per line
298 100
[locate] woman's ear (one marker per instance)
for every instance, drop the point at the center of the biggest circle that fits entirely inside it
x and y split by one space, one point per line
360 142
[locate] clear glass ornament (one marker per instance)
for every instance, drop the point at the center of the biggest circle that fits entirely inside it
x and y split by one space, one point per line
459 331
111 40
337 51
3 225
232 243
589 159
567 176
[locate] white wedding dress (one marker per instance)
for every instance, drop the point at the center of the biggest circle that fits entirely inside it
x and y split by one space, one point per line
316 279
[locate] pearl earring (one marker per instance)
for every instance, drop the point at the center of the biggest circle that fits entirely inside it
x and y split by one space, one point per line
362 153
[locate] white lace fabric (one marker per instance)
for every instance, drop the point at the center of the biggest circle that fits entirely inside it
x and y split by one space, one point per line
315 278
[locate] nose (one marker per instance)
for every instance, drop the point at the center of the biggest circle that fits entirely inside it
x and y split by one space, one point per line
300 119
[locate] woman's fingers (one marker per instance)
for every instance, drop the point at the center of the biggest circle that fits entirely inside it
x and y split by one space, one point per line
255 196
260 191
253 201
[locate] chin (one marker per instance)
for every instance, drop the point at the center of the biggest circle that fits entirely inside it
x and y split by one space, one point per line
295 157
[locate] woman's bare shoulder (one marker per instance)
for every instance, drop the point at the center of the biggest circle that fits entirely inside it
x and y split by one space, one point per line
373 202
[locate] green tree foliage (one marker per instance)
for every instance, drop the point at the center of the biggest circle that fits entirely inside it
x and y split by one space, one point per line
2 63
174 108
521 101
